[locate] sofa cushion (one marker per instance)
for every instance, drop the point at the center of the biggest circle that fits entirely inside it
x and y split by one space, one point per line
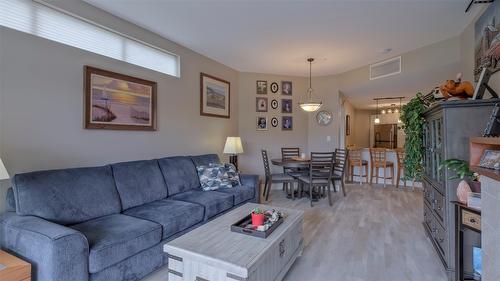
179 173
67 196
116 237
205 160
240 193
174 216
139 182
214 202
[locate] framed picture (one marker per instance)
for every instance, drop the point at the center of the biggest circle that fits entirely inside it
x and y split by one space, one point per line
286 106
261 105
214 96
274 87
287 123
115 101
261 87
274 122
486 53
490 159
262 123
274 104
347 125
286 88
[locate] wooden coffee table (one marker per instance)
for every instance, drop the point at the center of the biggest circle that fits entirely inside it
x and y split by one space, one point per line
212 252
13 268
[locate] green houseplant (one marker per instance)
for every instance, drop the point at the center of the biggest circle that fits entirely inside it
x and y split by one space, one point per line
463 171
413 126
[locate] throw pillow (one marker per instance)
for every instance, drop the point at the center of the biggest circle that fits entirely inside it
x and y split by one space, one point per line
233 175
213 177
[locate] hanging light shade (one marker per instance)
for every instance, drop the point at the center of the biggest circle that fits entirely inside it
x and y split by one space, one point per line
310 105
377 120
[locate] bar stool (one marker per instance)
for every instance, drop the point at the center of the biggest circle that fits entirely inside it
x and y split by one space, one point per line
356 160
378 160
401 167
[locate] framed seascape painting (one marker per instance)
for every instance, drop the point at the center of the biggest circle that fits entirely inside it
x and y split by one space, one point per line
214 96
115 101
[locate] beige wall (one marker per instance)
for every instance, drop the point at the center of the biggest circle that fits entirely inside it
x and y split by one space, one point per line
42 103
348 110
275 138
361 127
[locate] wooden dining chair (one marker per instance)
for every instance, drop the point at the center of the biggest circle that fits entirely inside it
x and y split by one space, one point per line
355 159
320 174
287 180
339 167
288 153
378 160
401 166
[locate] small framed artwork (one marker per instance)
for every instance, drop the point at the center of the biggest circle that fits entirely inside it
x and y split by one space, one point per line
286 106
347 125
115 101
274 87
214 96
287 123
490 159
274 104
261 105
261 87
262 123
274 122
286 88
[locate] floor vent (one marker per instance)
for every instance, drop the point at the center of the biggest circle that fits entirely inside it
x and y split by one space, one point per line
385 68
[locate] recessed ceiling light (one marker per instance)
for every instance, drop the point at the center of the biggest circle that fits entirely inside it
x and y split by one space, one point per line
385 51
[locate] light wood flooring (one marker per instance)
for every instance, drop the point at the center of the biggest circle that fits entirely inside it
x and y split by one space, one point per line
373 234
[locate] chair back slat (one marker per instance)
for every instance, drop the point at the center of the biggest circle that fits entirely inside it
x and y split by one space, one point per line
355 157
265 160
340 161
401 156
378 155
289 152
321 166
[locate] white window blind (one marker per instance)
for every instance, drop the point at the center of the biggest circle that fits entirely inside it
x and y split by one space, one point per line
49 23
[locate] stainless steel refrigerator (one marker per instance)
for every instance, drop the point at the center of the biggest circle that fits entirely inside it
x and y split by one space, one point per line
386 135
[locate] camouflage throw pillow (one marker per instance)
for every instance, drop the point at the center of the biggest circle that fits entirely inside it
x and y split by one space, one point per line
233 175
213 177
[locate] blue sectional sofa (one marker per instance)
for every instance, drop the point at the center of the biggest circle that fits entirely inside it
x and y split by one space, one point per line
110 223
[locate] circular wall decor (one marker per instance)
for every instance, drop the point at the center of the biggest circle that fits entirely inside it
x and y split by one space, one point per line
274 122
274 104
274 87
324 117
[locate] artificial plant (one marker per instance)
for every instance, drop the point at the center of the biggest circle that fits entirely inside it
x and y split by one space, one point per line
461 168
413 125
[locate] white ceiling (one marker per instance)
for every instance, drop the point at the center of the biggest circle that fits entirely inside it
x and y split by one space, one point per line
277 36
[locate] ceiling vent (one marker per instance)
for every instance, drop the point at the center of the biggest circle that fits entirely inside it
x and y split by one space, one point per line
385 68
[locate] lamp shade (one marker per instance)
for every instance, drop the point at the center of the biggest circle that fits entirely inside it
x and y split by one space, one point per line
3 172
233 145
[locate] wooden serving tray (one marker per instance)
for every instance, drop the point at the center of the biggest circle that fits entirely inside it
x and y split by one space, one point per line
240 227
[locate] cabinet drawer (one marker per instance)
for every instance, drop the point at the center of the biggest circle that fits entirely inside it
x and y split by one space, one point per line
471 219
427 192
439 236
438 202
427 216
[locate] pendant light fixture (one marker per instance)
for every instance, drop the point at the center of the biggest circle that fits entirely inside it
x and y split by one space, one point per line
377 119
399 111
310 105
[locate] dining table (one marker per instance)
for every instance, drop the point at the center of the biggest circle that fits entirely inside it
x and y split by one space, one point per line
293 163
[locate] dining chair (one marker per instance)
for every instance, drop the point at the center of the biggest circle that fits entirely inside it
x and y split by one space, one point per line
339 168
401 167
355 159
287 180
320 174
378 160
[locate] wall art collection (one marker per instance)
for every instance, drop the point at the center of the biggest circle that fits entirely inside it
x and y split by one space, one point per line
262 105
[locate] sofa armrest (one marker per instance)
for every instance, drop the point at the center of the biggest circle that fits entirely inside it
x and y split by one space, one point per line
252 181
55 252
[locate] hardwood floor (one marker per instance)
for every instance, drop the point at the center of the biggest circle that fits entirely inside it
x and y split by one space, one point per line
373 234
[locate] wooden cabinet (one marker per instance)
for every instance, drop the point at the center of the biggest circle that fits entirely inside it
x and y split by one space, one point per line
447 129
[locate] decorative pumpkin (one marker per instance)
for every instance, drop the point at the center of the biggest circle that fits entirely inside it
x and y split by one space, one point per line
463 191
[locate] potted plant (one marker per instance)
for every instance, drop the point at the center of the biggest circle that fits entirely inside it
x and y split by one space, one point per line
463 171
258 217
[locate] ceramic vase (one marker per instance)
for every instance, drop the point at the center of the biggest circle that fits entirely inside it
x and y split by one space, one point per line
463 191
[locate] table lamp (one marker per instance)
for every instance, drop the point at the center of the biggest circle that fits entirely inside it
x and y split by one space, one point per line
3 172
233 147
